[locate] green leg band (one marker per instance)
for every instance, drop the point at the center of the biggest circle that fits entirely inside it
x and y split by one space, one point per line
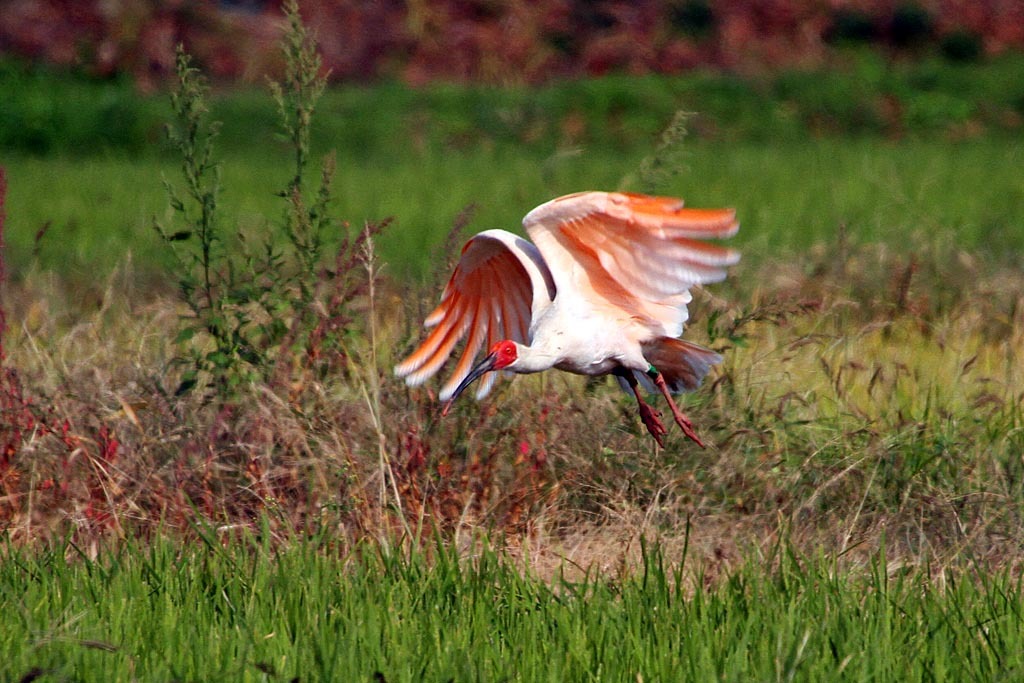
652 371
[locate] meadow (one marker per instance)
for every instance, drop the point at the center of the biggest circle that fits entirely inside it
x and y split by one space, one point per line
245 612
856 516
793 196
923 147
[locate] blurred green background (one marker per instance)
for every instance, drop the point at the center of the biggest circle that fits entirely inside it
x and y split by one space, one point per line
902 126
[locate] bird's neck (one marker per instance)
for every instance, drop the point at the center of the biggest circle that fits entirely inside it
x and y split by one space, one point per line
535 358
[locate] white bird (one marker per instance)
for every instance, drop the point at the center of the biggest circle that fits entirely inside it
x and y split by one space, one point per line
603 290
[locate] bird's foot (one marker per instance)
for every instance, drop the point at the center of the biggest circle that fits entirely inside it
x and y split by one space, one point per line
685 424
652 420
681 420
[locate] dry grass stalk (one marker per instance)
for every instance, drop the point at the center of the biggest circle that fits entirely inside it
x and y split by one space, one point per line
839 421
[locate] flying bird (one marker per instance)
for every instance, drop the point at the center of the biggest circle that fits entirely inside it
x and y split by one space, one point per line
602 290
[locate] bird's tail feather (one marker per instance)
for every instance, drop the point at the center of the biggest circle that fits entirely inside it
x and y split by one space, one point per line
682 363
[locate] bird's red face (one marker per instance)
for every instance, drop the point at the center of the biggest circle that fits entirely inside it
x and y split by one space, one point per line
501 355
505 354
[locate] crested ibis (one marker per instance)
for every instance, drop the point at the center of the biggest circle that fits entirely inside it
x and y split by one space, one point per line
602 290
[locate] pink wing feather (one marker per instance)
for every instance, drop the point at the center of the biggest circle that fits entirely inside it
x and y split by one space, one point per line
637 253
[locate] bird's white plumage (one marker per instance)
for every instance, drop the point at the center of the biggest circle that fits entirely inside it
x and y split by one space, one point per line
609 272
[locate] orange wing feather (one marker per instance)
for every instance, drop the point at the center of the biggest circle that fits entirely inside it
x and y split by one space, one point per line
489 297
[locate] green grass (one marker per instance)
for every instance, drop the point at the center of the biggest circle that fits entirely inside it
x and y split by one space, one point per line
789 196
861 93
244 612
887 148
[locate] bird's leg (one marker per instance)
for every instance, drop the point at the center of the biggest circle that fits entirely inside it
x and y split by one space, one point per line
649 415
681 420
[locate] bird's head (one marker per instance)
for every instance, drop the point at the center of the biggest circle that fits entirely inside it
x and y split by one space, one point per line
505 352
502 355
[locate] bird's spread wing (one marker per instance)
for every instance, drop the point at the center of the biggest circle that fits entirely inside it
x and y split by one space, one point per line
632 252
499 281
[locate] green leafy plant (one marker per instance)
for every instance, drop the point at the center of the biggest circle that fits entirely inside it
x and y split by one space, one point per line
667 161
258 303
296 99
198 244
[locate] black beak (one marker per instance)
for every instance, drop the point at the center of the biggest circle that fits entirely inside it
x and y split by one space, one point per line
486 365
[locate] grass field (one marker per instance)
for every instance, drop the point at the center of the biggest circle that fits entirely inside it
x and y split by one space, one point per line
789 196
857 515
883 147
245 612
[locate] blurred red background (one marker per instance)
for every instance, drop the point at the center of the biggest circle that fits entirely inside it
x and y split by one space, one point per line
497 41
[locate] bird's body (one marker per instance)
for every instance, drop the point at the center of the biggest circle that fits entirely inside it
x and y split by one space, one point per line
602 289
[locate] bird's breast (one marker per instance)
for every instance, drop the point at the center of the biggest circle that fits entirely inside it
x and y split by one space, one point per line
589 367
586 343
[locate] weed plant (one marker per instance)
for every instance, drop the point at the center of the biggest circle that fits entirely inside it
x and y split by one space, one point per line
258 303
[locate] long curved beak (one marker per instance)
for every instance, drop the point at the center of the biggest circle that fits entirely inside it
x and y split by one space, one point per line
486 365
